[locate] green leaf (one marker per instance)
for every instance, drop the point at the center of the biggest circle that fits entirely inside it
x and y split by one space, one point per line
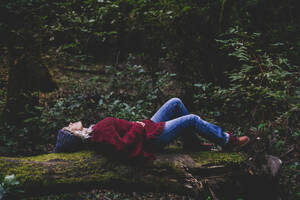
186 8
261 126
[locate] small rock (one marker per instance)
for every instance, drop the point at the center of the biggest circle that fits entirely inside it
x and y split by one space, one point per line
274 164
188 186
173 180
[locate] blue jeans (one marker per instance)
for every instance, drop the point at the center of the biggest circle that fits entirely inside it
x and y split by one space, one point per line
179 121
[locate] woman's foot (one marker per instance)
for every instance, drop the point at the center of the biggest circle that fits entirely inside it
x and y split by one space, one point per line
242 141
236 142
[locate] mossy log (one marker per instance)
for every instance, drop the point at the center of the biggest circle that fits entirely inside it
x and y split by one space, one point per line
64 172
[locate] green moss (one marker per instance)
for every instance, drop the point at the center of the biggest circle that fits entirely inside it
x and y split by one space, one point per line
26 173
208 157
78 156
227 158
173 148
80 168
32 170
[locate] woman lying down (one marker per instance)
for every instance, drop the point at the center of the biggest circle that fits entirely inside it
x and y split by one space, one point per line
142 139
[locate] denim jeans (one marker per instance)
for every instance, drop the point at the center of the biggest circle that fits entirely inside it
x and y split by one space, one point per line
179 121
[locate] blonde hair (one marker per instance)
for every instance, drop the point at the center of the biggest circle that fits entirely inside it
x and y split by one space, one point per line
83 133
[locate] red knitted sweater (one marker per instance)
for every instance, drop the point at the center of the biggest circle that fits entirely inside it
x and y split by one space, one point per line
130 138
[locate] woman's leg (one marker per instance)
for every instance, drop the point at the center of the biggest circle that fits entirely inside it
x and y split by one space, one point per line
172 109
192 124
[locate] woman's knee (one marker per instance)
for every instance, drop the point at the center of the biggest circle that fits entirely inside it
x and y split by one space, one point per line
176 100
194 117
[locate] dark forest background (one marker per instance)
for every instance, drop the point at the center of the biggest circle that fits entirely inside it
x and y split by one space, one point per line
235 63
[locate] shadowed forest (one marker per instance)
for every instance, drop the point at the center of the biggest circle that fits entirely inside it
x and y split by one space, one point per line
234 63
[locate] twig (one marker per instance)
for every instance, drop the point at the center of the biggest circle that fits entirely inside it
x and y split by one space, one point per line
212 193
106 198
117 58
82 70
289 151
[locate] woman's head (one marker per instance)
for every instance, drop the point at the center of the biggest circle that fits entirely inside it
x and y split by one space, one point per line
75 126
70 138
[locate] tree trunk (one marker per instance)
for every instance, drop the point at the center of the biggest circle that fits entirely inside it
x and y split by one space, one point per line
27 74
171 172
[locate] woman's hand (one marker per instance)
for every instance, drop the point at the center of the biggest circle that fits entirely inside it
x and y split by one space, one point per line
141 123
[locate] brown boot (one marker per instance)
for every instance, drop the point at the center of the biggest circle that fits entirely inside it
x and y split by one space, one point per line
236 142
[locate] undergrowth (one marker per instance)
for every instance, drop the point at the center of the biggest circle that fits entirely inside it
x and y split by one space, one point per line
261 101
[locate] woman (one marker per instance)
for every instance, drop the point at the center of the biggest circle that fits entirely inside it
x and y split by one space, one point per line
142 139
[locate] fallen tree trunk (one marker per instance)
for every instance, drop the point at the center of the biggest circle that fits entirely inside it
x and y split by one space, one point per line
62 172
